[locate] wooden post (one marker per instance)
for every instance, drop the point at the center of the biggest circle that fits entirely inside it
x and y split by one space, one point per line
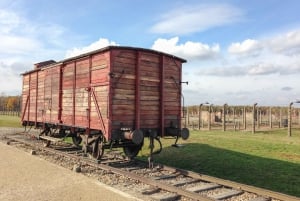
188 116
199 116
244 118
299 117
270 118
224 117
280 117
253 118
290 119
209 117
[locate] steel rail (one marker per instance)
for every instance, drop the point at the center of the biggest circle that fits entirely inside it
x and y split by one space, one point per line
244 187
148 181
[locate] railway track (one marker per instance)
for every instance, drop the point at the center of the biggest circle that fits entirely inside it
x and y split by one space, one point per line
158 183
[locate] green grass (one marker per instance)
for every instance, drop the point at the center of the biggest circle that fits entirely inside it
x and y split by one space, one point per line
266 159
10 121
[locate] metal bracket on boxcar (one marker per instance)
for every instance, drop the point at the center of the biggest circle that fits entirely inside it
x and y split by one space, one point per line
113 76
184 134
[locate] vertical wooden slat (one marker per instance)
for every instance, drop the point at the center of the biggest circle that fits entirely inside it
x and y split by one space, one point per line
109 97
44 96
29 97
162 99
36 98
89 96
137 91
60 94
51 92
180 94
74 94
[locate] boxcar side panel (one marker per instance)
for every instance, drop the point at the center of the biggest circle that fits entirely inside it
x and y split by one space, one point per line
146 91
51 94
40 96
68 83
33 97
25 98
172 91
99 93
150 69
81 93
123 88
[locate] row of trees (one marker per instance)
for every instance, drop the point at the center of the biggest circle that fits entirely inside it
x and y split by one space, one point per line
10 103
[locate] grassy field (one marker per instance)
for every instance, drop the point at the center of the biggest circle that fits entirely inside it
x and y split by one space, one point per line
10 121
266 159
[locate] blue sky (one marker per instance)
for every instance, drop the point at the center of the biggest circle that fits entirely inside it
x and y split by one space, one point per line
238 52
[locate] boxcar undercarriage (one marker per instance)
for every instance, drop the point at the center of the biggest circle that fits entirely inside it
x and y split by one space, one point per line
93 142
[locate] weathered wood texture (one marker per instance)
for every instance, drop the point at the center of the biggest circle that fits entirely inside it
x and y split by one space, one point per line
111 89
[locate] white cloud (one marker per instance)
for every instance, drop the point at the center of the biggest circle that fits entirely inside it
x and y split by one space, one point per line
102 42
8 21
288 43
188 50
267 69
23 42
10 79
263 69
13 37
11 44
273 55
196 18
247 47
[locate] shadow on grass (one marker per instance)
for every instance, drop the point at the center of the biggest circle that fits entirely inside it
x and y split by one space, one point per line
266 173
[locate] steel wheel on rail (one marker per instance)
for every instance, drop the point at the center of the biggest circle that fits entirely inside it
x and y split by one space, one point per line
97 150
77 140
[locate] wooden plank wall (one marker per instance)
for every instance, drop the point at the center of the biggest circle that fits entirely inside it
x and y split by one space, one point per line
25 94
41 98
32 99
51 94
78 76
100 68
81 94
67 97
150 90
124 86
172 92
123 89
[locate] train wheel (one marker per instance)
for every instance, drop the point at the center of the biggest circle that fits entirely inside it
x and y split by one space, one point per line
76 140
132 151
98 150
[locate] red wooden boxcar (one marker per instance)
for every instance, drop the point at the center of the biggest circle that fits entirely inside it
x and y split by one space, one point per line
111 97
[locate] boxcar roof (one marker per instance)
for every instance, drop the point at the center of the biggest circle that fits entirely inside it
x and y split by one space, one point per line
122 47
49 64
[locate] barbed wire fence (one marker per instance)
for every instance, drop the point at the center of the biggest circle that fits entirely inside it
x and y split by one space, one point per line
236 118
